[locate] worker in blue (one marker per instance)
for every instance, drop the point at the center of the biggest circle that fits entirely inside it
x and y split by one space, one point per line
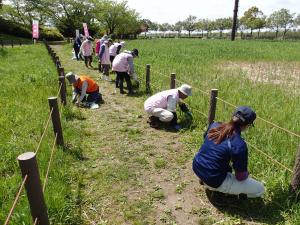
224 149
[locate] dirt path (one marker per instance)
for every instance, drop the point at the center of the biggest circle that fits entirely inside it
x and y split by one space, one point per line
134 174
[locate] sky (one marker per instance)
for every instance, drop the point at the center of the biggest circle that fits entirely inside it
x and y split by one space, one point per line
171 11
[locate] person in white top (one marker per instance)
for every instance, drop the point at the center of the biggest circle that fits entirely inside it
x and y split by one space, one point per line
162 106
104 58
86 49
124 67
114 50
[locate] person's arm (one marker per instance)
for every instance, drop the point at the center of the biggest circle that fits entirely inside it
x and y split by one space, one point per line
240 160
74 95
118 49
83 91
102 50
131 66
171 103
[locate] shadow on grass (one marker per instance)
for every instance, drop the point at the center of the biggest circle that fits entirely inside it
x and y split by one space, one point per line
75 151
258 209
3 52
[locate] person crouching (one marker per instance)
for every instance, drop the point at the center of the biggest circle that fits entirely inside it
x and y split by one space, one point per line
83 85
162 106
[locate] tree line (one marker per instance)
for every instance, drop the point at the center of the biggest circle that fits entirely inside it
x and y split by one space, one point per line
253 19
102 16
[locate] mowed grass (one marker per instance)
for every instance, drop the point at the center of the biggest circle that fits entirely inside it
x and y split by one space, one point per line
28 78
201 63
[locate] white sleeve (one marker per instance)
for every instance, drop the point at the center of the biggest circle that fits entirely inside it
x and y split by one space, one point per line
83 90
171 103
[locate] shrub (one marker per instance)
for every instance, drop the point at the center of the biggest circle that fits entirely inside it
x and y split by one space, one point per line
51 34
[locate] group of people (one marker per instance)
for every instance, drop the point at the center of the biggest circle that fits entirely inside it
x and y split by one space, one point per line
223 150
109 56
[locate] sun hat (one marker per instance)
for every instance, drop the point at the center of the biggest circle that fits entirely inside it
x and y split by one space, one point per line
185 89
245 114
71 77
135 52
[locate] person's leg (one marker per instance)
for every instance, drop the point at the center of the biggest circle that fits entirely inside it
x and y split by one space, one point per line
163 114
111 59
128 82
117 81
76 53
252 188
90 61
121 76
86 61
94 97
106 70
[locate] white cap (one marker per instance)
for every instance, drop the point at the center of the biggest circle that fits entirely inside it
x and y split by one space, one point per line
185 89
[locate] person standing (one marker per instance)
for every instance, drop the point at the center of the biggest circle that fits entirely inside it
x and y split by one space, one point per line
162 106
83 85
223 150
115 49
99 42
124 68
104 58
76 47
86 50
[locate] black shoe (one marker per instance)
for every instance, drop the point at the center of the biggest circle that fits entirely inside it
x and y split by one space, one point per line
122 92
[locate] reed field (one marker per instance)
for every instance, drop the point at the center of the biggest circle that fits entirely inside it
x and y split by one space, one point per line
28 78
262 74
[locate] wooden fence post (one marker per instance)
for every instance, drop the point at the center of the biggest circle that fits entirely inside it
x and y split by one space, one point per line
56 121
212 105
2 43
53 56
29 167
295 184
63 90
148 88
61 71
173 81
12 43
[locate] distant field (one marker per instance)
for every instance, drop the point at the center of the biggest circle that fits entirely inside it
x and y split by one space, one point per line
262 74
28 78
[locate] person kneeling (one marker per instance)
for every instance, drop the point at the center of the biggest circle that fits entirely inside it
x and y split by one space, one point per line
223 145
83 85
162 106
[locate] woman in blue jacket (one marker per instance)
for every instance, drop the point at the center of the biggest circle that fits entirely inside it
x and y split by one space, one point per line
224 149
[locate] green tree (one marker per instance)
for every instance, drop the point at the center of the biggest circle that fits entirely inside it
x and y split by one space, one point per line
253 19
189 24
223 23
297 20
178 27
281 19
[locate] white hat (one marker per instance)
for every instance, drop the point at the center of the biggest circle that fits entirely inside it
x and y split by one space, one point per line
71 77
122 43
185 89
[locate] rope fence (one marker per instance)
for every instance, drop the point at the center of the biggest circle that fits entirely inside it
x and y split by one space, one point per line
28 163
211 117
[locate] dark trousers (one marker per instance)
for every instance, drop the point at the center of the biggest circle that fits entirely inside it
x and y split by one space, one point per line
92 96
88 60
76 50
111 58
120 79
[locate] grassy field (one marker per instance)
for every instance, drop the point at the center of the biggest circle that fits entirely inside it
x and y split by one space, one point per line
28 78
132 174
262 74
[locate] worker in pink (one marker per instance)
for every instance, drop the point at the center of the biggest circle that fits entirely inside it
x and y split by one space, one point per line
162 106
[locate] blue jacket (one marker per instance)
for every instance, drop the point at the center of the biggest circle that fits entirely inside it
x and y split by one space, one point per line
213 161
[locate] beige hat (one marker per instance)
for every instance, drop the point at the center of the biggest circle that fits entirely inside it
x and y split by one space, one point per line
72 78
185 89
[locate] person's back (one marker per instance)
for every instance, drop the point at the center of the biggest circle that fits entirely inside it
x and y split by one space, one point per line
120 62
87 48
160 100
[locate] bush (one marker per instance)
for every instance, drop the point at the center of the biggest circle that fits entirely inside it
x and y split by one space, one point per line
51 34
14 29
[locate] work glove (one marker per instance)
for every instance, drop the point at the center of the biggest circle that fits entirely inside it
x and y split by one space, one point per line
184 108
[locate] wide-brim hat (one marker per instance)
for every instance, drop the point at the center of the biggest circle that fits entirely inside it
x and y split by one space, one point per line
185 89
71 77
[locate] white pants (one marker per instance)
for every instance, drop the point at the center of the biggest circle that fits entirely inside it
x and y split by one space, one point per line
163 114
231 185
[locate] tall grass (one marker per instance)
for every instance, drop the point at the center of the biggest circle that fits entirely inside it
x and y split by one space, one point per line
28 78
202 63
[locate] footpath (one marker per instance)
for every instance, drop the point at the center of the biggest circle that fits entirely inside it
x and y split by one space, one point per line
131 173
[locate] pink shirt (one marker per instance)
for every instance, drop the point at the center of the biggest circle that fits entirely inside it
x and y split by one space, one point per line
86 48
160 100
120 63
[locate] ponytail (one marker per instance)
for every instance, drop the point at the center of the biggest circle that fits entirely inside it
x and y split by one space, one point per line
225 130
